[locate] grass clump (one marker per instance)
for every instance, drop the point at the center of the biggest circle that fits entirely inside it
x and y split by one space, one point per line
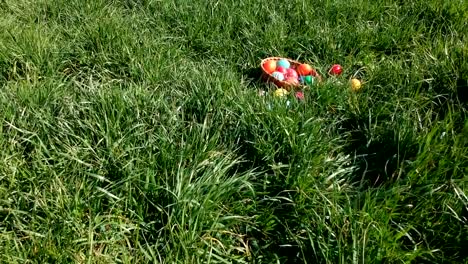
132 132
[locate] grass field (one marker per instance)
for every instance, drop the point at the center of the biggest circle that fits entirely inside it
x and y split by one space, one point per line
132 132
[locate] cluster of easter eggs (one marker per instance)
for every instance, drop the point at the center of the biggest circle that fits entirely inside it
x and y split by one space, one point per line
336 69
292 73
283 70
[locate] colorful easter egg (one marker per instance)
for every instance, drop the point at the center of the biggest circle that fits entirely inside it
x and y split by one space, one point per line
299 95
356 85
281 92
269 66
309 79
278 75
304 69
283 63
281 69
291 73
336 69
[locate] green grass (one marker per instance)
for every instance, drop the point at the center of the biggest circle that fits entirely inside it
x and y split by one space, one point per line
132 132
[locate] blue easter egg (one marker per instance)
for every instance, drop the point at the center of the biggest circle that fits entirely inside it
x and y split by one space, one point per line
283 63
278 75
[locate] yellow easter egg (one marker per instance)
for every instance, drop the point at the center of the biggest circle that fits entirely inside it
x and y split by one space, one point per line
356 85
281 92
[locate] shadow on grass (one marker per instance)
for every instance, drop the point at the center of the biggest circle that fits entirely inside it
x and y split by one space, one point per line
379 159
276 224
462 90
254 77
381 163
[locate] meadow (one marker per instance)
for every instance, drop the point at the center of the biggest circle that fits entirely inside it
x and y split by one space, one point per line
132 131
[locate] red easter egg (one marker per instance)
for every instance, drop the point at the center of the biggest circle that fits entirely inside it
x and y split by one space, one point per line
281 69
300 95
336 69
269 66
304 69
291 73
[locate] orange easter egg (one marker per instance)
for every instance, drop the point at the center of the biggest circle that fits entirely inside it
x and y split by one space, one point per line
304 69
269 66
